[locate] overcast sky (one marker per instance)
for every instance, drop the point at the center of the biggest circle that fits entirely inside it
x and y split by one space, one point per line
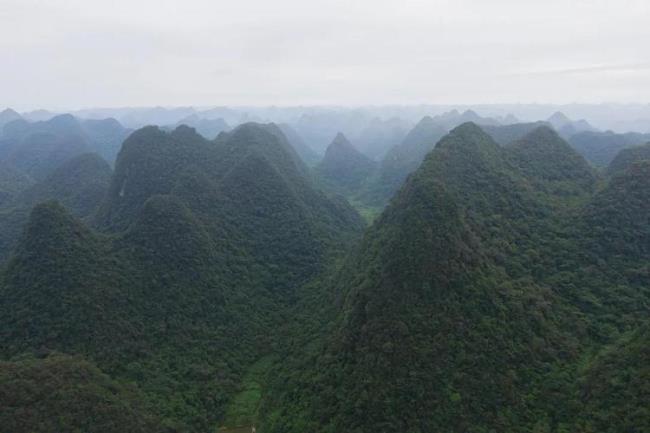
87 53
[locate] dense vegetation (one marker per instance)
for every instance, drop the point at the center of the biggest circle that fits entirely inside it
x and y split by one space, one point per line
210 283
628 156
551 165
58 392
407 153
600 148
475 301
344 169
12 183
403 159
205 244
38 148
79 184
615 386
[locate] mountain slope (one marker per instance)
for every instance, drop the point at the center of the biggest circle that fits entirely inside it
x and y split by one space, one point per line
618 219
403 159
52 292
64 393
558 120
567 127
492 294
209 128
425 302
454 118
615 387
306 153
600 148
473 302
207 246
380 136
12 183
627 157
506 134
105 136
8 115
79 185
344 169
38 148
552 164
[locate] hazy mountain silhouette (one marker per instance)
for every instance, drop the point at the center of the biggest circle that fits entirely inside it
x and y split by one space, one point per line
344 168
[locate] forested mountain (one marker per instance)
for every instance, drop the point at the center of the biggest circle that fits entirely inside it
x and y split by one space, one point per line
39 115
104 136
628 156
376 139
615 387
600 148
317 127
12 183
79 184
552 165
403 159
8 115
38 148
508 119
209 128
469 305
210 283
64 393
205 246
344 169
567 127
618 219
506 134
559 120
306 153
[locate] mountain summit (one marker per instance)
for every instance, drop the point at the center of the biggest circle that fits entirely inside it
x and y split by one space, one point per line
476 298
8 115
559 120
344 168
201 247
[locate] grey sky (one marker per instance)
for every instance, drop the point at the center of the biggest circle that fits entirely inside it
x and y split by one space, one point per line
80 53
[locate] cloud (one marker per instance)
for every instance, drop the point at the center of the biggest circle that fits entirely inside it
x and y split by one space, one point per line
76 53
594 69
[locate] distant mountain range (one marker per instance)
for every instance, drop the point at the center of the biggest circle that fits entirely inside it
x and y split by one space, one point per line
600 148
38 147
209 128
206 284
